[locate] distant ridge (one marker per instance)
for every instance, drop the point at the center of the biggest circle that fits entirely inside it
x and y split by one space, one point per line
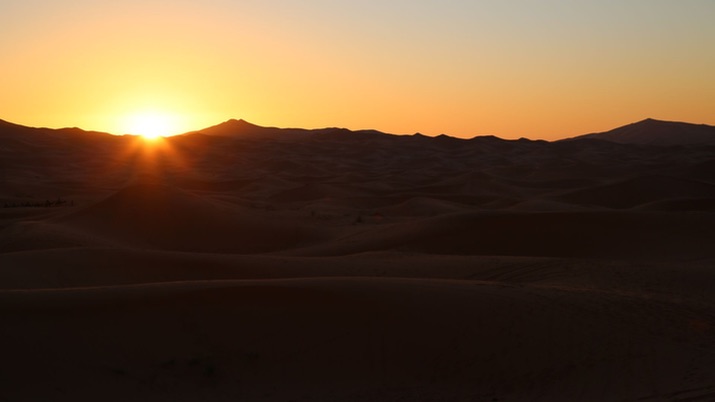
657 132
645 132
8 128
242 129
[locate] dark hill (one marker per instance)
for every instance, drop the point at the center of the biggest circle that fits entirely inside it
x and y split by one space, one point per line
657 132
243 129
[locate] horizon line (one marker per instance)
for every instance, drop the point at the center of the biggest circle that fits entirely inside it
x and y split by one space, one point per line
258 126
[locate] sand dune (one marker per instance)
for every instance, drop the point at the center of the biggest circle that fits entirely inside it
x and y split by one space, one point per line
354 339
642 189
151 215
554 234
254 263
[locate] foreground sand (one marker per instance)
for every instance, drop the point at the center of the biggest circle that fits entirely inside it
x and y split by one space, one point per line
332 268
451 328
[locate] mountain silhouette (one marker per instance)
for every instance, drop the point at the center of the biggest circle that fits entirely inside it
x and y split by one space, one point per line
645 132
658 132
242 129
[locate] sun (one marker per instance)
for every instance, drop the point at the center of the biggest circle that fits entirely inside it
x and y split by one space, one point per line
151 125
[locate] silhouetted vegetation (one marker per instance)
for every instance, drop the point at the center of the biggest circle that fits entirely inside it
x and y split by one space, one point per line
59 202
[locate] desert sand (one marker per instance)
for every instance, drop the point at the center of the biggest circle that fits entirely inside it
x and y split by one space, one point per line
244 263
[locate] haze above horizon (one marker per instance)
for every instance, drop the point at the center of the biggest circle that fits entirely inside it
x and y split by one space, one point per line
541 70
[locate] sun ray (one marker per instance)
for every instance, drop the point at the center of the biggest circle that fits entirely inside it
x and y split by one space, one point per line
140 159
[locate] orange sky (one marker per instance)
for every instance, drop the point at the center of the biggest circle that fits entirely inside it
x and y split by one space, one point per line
519 68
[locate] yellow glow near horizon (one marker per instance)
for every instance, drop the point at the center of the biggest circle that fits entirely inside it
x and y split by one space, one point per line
508 68
151 125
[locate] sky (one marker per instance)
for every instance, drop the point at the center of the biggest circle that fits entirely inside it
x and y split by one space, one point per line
543 69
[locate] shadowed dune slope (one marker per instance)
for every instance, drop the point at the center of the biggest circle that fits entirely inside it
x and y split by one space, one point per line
681 204
554 234
158 216
347 339
640 190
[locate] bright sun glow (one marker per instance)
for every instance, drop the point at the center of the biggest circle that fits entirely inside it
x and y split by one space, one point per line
151 125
